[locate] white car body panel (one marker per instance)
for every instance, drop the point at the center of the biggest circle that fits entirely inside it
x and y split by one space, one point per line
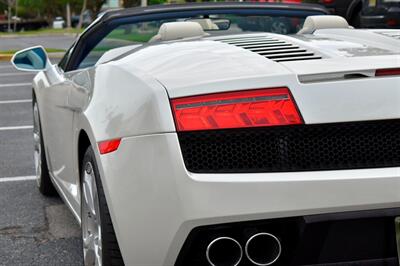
128 98
185 199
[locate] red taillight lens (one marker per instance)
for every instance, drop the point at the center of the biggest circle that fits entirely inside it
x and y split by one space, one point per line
109 146
387 72
254 108
391 22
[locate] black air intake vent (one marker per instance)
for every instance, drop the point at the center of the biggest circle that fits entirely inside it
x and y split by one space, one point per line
272 48
317 147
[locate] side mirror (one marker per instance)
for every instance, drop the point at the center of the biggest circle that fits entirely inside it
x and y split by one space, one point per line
31 59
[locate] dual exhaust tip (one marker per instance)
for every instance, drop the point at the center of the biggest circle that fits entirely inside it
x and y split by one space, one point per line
261 249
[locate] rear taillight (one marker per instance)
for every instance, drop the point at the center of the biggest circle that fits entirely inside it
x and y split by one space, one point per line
391 22
253 108
327 2
387 72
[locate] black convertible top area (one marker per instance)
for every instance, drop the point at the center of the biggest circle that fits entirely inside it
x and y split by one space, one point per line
122 13
134 11
113 18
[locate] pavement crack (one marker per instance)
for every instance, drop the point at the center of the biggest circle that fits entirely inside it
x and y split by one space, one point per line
58 223
10 230
18 232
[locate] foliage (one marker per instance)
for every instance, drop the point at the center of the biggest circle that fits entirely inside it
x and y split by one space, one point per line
95 5
51 8
156 2
132 3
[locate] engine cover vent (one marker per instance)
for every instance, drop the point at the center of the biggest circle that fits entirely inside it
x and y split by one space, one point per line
271 48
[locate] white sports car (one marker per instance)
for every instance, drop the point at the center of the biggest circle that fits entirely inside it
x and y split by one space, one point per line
224 134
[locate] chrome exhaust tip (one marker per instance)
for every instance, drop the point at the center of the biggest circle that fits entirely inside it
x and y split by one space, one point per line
224 251
263 249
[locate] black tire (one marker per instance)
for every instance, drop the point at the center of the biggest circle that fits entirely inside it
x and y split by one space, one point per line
110 249
44 183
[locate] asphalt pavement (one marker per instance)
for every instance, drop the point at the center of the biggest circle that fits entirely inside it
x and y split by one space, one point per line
34 230
62 42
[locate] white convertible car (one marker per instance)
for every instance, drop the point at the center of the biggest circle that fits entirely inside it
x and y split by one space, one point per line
224 134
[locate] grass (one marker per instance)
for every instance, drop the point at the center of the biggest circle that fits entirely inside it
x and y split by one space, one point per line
49 50
120 38
46 31
134 36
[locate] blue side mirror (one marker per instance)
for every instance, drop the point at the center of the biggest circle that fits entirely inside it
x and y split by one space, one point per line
31 59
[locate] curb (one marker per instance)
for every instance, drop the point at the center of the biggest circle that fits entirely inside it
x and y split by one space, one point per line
7 57
16 36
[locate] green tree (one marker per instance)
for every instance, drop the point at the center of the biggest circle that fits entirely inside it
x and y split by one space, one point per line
95 5
48 8
53 8
130 3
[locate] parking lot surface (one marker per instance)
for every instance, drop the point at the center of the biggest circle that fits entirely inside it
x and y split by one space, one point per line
34 230
56 42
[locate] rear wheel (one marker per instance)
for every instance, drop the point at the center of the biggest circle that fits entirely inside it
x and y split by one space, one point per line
100 246
42 172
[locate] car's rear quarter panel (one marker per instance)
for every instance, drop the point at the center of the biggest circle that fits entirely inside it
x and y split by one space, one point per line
156 201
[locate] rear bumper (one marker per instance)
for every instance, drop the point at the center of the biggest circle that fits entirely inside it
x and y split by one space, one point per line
155 203
349 238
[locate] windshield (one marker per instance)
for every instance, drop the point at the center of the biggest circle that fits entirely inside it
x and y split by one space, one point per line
137 33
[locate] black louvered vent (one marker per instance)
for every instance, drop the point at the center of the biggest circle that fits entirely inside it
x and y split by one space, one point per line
271 47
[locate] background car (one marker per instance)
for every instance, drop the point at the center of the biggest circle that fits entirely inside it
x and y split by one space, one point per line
381 14
349 9
58 23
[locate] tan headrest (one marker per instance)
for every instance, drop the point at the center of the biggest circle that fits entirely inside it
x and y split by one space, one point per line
320 22
178 30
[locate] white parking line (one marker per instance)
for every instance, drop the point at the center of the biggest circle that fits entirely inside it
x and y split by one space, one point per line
17 178
15 85
17 74
15 128
16 101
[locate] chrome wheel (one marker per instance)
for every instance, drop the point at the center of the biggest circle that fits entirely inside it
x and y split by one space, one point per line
91 224
37 144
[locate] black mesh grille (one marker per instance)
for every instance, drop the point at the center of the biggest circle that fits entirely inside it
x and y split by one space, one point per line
371 144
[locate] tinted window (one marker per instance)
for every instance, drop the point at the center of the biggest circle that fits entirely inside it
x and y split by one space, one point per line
219 23
124 35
